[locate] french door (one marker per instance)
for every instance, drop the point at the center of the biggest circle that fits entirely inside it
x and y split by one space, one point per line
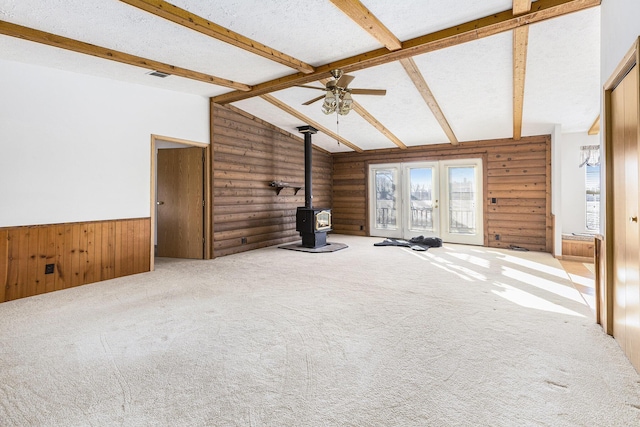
436 199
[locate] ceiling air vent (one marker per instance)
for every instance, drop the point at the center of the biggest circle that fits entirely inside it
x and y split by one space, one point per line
158 74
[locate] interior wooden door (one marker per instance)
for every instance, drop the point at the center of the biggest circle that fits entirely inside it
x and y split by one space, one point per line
180 203
626 258
632 235
619 257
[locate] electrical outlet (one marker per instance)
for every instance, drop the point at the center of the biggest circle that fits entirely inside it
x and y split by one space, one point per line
49 268
494 200
497 237
243 240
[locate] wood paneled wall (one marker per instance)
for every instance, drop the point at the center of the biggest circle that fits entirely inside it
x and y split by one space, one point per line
578 250
516 173
81 253
248 154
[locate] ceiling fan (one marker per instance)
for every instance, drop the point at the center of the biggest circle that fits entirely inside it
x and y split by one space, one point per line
338 94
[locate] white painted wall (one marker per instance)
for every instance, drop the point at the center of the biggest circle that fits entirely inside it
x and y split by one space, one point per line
620 28
573 181
77 148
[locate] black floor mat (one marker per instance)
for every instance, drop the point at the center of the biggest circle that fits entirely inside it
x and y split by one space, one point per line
393 242
403 244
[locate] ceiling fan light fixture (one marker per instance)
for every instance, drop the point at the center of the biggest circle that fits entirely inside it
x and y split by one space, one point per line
330 103
337 96
345 103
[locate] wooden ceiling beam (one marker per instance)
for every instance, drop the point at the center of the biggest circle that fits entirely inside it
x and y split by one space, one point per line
521 6
595 127
473 30
520 47
42 37
418 80
376 124
286 108
194 22
358 12
520 43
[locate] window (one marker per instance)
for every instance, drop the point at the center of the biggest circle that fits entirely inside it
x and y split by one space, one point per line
592 193
462 197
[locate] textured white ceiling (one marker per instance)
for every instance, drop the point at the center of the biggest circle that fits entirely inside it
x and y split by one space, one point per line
472 82
312 31
402 102
473 85
408 19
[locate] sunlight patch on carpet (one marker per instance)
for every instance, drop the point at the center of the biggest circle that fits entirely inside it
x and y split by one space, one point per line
525 299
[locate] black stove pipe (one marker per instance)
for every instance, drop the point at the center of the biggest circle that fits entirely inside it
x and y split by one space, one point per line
308 154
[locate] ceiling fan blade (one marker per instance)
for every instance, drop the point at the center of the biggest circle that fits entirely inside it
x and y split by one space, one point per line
311 101
379 92
311 87
344 80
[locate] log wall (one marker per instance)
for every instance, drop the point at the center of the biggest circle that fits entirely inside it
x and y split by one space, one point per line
248 154
516 173
81 253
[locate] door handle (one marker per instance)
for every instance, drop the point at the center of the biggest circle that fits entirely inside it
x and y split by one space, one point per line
159 203
634 219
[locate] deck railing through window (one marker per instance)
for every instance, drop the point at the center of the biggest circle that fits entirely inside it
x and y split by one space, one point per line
462 221
422 217
386 217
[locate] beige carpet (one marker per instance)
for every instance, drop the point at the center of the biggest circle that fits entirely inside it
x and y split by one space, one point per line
366 336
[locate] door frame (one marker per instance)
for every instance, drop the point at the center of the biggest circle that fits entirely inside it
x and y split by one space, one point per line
478 238
406 186
206 188
605 294
482 172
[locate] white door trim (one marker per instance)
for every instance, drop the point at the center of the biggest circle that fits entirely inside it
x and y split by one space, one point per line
207 191
440 197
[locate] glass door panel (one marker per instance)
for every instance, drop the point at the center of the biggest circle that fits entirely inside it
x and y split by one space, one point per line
420 193
462 218
462 201
385 218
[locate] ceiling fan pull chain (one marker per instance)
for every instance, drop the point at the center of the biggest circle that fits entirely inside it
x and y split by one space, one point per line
338 128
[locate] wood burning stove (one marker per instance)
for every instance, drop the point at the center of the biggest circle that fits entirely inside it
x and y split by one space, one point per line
312 223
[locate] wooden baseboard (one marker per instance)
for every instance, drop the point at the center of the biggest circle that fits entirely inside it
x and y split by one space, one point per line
576 258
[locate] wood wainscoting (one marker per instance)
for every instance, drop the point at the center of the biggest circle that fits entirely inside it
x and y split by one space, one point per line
249 154
80 253
517 187
578 248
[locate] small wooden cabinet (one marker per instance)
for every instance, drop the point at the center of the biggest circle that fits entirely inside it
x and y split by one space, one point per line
578 248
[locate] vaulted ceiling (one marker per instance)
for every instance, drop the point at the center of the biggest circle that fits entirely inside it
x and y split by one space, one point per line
453 70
